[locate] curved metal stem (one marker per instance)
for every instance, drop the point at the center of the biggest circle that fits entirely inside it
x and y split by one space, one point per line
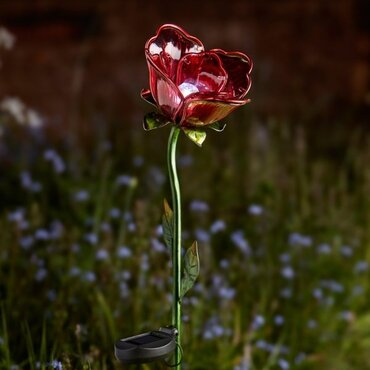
176 242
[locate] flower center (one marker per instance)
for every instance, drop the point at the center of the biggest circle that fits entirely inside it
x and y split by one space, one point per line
186 89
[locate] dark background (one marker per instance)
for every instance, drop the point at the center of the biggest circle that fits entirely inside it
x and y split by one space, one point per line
311 57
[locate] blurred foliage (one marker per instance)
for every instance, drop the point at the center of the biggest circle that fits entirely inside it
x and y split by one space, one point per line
280 210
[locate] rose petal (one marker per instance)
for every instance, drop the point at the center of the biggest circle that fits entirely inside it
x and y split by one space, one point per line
168 46
148 97
166 94
205 112
238 67
200 73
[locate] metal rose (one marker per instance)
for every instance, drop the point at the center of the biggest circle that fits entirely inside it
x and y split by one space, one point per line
190 86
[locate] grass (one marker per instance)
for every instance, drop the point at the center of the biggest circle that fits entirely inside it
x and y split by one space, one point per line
282 221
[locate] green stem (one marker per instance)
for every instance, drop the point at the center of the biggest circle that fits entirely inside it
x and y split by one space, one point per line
176 242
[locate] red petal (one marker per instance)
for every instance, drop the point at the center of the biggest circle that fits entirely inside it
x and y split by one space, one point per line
148 97
200 73
204 112
168 46
238 67
165 93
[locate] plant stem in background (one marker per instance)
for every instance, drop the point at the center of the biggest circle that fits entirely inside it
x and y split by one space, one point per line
176 241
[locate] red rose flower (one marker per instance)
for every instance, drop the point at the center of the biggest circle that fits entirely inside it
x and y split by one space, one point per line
190 86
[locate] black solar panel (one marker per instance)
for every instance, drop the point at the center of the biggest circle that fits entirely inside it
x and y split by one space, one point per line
144 340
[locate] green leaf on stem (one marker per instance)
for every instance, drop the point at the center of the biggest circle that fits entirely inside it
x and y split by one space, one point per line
167 224
154 120
191 269
217 126
197 136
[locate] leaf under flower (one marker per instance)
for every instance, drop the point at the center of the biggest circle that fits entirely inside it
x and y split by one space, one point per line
196 136
217 126
154 120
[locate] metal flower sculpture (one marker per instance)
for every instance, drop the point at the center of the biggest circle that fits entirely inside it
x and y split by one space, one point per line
192 89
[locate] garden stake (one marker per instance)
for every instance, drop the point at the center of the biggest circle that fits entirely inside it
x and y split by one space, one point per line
192 89
176 240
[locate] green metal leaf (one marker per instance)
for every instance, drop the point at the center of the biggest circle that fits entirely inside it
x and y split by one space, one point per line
167 224
217 126
197 136
191 269
154 120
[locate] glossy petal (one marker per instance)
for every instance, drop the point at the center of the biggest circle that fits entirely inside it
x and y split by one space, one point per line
164 91
191 87
198 113
200 73
168 46
238 67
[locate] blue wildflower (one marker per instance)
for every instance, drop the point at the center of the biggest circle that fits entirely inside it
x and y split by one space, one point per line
199 206
258 322
226 293
156 176
124 252
56 230
224 263
158 246
105 227
237 237
57 365
42 234
279 320
283 364
125 180
144 262
41 274
300 240
358 290
81 196
185 160
89 276
138 161
16 216
262 344
285 257
346 251
26 242
55 159
287 272
312 324
361 266
346 316
74 271
299 358
75 248
323 249
124 290
51 295
286 293
255 210
202 235
102 255
114 213
91 238
318 293
217 226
